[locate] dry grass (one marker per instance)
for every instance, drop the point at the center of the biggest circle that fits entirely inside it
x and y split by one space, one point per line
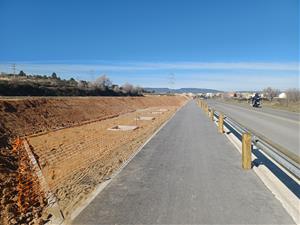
291 106
275 104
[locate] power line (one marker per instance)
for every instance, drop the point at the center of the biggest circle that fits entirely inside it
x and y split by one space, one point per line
171 79
13 66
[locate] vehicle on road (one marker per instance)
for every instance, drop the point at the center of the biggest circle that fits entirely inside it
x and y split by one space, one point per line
256 100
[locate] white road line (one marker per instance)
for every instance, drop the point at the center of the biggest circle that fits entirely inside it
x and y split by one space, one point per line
258 112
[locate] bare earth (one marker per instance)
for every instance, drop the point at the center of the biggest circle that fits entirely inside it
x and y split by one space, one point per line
75 160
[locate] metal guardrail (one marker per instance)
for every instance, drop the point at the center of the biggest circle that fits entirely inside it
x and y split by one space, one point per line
289 164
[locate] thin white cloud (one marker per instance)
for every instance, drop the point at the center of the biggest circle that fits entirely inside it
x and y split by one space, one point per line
218 75
150 66
224 66
222 81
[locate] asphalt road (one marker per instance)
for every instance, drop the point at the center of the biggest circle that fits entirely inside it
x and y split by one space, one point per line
282 128
187 174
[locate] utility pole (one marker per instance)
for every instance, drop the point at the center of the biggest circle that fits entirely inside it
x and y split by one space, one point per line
92 75
171 80
13 66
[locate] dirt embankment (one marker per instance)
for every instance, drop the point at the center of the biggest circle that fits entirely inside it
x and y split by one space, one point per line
24 117
42 115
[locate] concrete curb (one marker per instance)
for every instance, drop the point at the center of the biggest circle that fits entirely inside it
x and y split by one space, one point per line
288 199
53 209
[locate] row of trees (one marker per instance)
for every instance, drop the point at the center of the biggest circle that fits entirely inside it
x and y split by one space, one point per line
22 74
103 83
270 93
292 95
54 85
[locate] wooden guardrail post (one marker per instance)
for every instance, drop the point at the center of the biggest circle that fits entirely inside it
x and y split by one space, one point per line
246 151
212 112
221 123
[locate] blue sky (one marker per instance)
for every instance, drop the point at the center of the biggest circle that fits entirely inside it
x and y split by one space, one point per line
227 45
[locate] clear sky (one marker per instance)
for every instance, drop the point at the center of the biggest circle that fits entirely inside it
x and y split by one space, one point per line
222 44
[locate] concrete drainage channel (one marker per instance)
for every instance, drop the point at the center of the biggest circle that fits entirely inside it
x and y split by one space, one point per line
160 111
138 118
123 128
273 163
163 110
157 112
146 118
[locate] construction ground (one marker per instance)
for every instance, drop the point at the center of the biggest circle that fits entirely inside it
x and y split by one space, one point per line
77 142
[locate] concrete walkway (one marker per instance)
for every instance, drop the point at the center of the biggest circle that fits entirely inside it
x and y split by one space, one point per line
187 174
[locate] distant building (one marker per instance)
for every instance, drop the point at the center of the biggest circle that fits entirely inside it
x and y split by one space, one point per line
246 95
282 95
209 95
229 95
190 94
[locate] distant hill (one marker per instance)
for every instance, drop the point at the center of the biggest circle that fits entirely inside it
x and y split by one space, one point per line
181 90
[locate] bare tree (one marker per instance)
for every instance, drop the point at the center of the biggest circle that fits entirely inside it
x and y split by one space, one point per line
91 85
293 95
270 93
116 88
82 84
103 82
127 88
139 90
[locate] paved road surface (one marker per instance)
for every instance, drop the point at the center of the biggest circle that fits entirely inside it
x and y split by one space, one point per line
188 173
282 128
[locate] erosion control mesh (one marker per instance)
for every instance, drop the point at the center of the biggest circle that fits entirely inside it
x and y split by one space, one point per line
30 197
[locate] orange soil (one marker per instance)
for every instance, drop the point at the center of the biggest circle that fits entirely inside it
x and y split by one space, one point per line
75 160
